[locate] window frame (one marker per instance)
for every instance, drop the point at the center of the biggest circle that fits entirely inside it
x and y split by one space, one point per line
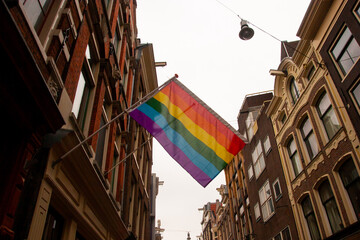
257 162
300 167
268 201
257 210
310 213
277 196
354 182
306 138
344 46
293 90
330 201
355 100
322 116
252 172
267 147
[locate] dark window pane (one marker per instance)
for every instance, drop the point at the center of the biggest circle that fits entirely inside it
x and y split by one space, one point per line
286 234
310 218
100 144
328 200
278 237
356 94
53 226
351 181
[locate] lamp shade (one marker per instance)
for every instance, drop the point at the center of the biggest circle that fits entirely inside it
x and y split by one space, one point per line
246 32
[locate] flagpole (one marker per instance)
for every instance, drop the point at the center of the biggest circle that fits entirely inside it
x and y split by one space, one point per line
147 96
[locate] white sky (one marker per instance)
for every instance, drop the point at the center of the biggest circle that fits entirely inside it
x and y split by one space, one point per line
199 41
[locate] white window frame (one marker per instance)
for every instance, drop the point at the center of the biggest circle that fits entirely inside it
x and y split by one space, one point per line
250 172
257 212
266 201
267 144
258 160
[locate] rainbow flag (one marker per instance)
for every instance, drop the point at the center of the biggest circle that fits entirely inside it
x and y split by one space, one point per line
193 134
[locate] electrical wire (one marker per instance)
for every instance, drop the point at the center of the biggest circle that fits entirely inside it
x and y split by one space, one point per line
282 42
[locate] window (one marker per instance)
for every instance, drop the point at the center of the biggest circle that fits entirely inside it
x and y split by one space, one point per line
327 115
310 73
294 90
357 11
100 143
114 171
286 234
283 235
257 211
310 218
329 203
283 118
294 157
258 160
351 180
36 11
54 225
277 189
81 100
346 51
266 202
308 137
249 126
250 172
356 94
267 145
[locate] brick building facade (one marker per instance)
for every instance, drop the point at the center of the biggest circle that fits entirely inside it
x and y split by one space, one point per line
78 64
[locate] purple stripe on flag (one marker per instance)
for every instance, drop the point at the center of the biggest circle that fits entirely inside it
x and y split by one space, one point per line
175 152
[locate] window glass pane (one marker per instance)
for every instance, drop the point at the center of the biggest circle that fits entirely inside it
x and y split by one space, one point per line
294 157
350 56
351 181
306 127
340 45
286 234
311 72
78 95
327 115
328 201
309 138
100 144
312 145
53 226
33 11
267 145
250 172
356 94
292 147
278 237
324 104
277 189
294 90
310 218
331 123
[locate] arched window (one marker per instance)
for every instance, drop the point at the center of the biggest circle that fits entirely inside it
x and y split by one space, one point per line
351 180
309 138
310 218
327 115
329 203
294 157
294 90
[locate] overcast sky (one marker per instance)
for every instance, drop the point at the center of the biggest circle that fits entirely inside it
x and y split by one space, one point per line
199 41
